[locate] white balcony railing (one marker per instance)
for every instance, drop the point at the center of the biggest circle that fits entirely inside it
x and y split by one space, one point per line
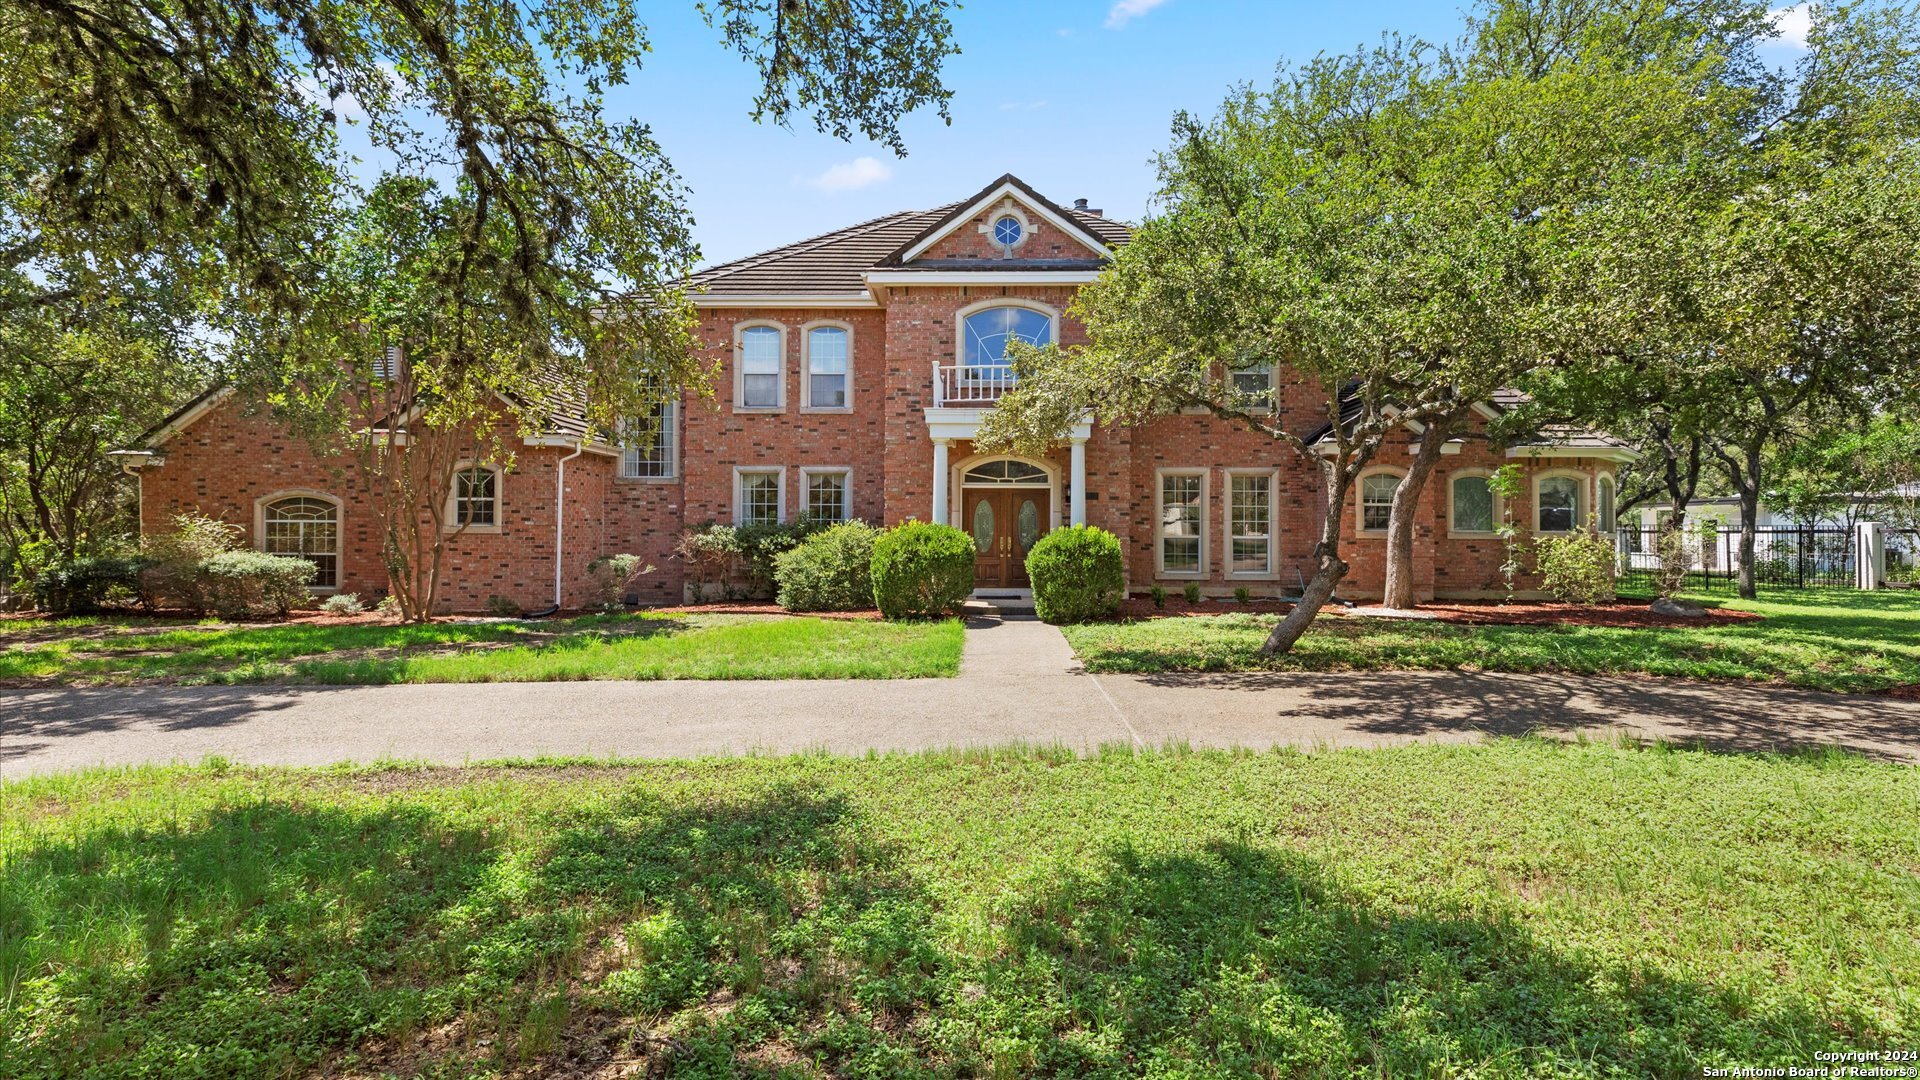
965 386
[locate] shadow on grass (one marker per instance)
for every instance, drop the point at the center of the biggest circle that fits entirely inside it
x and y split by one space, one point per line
393 668
727 937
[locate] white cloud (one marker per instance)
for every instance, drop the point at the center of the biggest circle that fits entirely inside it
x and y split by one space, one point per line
852 175
1022 106
1794 24
1125 11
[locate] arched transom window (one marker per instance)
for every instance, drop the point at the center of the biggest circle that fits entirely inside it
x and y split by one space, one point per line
1005 472
988 332
308 528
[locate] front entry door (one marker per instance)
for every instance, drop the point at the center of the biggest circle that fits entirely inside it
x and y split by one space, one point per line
1005 524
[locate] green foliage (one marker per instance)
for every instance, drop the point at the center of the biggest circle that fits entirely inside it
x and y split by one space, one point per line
831 570
1192 592
238 584
345 603
1414 911
1242 594
1577 568
503 607
764 542
173 579
1159 596
1506 484
608 577
91 584
713 558
1675 560
1078 574
921 569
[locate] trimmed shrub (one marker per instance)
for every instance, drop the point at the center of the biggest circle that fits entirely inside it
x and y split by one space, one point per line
173 578
1577 568
608 577
89 584
1077 575
832 570
763 543
345 603
1191 592
712 554
503 607
235 584
921 569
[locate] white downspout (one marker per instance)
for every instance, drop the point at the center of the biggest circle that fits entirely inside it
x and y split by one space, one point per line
560 518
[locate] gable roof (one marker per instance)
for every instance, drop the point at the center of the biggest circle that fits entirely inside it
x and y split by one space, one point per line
1081 225
833 265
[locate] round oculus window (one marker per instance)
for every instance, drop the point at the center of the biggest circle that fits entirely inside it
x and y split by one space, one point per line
1006 231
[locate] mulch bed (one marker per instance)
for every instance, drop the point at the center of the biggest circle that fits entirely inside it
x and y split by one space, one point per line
867 615
1620 613
1141 607
1469 613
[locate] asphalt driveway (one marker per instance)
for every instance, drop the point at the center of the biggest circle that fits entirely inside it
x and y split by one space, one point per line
1019 682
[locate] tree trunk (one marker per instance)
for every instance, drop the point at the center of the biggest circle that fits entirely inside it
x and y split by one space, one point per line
1749 487
1329 568
1406 504
1326 577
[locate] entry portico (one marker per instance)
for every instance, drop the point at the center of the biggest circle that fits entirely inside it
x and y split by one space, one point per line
949 426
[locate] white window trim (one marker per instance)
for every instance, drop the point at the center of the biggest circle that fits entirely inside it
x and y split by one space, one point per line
1614 483
806 366
1499 505
1583 502
1273 527
740 368
739 493
1273 384
961 316
807 472
1360 529
1160 521
339 530
673 455
451 522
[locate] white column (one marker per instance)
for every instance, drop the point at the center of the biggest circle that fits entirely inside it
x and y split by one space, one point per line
1869 555
1077 476
939 482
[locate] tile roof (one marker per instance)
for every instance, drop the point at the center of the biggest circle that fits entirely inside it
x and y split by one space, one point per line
832 263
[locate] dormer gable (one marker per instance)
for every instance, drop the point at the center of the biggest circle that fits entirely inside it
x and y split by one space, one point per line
1006 223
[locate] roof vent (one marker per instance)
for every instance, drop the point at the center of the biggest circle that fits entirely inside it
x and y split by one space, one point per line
1081 205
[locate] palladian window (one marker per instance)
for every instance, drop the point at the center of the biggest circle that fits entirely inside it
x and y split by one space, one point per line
308 528
987 333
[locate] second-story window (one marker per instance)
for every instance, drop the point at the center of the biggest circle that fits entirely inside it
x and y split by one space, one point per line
988 332
760 367
827 367
1253 387
646 451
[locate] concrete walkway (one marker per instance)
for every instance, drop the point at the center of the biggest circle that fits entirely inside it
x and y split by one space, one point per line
1019 682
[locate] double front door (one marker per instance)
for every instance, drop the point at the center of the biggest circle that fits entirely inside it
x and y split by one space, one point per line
1005 524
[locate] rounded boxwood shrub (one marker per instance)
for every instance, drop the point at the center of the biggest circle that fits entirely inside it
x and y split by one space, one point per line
921 569
1077 575
235 584
831 570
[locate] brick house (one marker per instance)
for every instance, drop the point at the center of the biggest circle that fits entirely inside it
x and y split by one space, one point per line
860 363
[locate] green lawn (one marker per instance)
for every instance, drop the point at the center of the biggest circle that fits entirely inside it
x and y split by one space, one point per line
97 652
1829 640
1520 908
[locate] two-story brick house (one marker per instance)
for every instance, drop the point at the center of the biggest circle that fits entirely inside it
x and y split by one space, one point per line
859 364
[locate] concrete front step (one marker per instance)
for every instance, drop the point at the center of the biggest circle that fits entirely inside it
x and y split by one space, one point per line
1006 605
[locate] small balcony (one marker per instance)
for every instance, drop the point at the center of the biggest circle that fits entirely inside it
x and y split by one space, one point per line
970 386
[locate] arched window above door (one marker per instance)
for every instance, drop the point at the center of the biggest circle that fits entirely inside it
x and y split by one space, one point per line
1005 472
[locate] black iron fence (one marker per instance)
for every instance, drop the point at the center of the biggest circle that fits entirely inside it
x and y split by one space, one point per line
1903 558
1782 558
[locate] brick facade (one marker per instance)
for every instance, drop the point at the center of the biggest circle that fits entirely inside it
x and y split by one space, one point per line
231 461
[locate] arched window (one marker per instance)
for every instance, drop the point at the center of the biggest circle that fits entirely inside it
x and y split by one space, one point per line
476 498
760 369
1605 499
988 331
1472 507
1557 503
307 527
1005 472
1376 500
829 360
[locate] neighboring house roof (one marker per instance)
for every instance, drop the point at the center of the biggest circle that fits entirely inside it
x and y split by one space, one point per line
1561 438
835 264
